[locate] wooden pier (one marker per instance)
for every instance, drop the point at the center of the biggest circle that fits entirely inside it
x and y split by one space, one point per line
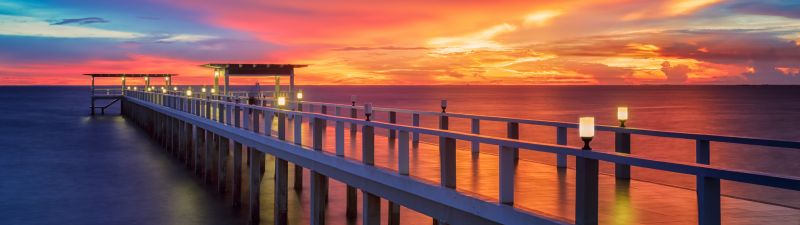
230 145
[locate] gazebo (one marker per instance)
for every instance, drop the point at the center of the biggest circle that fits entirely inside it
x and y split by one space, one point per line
254 70
116 94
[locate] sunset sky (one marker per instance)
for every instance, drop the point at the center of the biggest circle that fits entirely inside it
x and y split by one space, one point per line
407 42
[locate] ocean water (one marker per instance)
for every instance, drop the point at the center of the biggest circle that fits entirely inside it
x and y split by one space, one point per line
60 165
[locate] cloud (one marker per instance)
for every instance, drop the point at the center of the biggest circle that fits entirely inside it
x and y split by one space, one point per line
29 26
81 21
675 74
184 38
389 48
789 9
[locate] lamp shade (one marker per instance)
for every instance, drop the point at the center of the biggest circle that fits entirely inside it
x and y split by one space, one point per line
586 127
444 103
352 98
622 113
299 95
368 108
281 101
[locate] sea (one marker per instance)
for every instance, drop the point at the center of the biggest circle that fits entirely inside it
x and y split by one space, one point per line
60 165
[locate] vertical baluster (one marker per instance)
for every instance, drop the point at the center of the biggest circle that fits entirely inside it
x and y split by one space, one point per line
371 204
708 189
513 133
447 156
415 122
476 129
393 120
622 144
507 164
561 139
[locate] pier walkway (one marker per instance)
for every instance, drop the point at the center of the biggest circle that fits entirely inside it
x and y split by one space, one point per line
452 184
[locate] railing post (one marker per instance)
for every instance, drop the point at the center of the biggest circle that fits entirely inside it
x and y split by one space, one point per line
622 145
298 140
561 139
393 120
447 156
371 203
415 122
402 153
319 182
281 178
354 115
513 133
586 191
237 115
708 189
476 129
339 138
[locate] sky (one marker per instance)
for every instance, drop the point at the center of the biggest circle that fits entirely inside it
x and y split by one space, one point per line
53 42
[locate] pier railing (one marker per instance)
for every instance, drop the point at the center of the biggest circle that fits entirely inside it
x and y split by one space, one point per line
233 114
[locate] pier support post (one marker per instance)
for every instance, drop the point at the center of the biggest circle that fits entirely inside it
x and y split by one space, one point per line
561 139
394 213
586 191
371 213
222 158
281 191
236 187
255 184
622 145
207 165
200 136
507 175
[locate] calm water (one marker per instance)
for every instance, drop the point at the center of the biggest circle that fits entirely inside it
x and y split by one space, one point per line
61 166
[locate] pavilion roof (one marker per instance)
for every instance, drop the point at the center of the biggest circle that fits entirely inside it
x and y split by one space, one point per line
131 74
256 69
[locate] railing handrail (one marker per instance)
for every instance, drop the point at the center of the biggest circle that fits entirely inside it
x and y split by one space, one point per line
744 176
640 131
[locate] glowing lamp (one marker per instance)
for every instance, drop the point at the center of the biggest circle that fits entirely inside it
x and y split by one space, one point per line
128 87
123 78
146 78
444 105
622 115
368 110
300 95
203 90
216 74
586 131
213 90
166 78
134 88
188 92
281 101
164 91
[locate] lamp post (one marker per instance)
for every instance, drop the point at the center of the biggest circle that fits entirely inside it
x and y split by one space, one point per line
444 105
622 115
353 99
586 131
300 95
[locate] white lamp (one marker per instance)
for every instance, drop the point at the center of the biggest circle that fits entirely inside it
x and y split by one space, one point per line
188 92
622 115
444 105
353 99
586 131
368 110
281 101
300 95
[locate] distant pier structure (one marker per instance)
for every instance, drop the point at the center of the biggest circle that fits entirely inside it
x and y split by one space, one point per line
376 155
113 95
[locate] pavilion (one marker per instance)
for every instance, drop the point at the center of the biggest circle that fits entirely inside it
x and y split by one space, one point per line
116 94
254 70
